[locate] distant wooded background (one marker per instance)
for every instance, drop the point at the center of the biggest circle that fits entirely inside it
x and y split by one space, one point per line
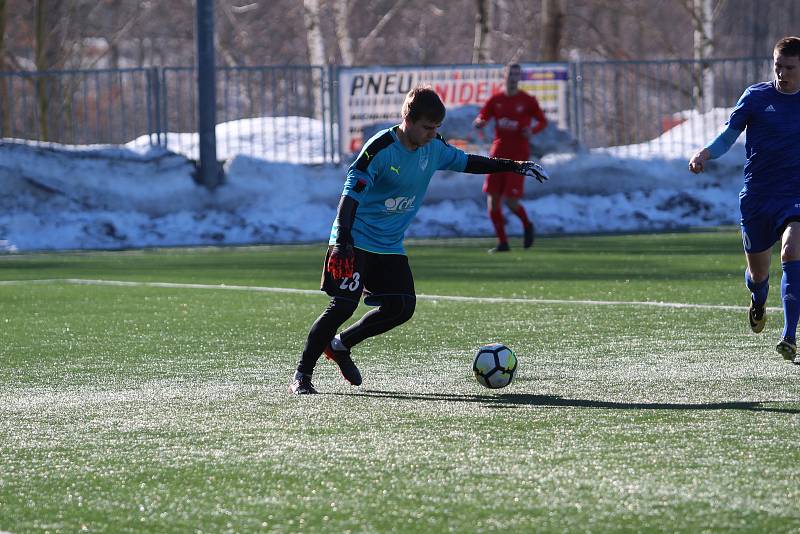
79 34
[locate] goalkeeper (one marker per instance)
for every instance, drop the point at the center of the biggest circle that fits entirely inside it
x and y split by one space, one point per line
383 191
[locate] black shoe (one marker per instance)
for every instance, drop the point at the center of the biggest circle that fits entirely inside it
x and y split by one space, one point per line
301 385
788 349
346 366
757 316
527 240
501 247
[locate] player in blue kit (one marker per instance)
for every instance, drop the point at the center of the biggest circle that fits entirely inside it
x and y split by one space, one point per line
384 189
770 200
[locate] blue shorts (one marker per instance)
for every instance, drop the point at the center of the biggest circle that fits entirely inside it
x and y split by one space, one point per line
764 218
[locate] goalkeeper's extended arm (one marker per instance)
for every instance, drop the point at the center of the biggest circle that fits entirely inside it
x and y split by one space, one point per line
341 260
483 165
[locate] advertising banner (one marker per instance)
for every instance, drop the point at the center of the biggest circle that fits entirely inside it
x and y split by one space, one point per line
374 95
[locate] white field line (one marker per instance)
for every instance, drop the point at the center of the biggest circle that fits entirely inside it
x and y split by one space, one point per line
451 298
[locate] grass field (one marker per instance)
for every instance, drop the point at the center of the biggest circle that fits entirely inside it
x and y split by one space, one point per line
160 405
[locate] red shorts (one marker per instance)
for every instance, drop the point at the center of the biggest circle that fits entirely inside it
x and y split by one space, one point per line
506 184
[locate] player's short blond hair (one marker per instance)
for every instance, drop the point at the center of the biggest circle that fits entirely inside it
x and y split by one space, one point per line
423 102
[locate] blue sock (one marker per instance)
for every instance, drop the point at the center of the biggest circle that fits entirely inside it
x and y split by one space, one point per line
758 290
790 292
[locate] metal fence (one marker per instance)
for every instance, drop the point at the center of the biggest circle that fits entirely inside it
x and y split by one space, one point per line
288 113
277 113
629 105
79 107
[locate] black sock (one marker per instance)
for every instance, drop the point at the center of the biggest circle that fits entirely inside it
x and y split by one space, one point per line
322 331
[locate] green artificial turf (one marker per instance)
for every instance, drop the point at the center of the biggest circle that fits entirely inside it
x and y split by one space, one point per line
147 408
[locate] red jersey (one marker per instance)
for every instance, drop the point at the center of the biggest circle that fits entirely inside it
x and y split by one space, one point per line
513 116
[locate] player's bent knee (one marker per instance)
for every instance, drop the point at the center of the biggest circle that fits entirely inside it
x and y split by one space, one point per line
409 306
400 307
790 251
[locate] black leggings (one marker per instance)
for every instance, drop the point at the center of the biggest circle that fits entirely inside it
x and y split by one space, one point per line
393 311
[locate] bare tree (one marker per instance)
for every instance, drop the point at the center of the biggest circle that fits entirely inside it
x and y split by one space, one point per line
483 31
341 10
41 65
377 30
233 38
5 125
702 13
552 32
2 35
316 44
388 32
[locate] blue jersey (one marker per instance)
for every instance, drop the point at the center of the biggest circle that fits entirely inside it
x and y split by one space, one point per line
772 120
389 181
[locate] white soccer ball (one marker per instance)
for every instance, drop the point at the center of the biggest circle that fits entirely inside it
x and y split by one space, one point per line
495 366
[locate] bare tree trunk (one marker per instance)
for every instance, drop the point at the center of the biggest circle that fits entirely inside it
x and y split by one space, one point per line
316 48
552 33
316 44
225 36
2 35
40 49
483 26
5 124
342 14
703 22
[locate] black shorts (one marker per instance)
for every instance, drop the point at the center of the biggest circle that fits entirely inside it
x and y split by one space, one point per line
375 275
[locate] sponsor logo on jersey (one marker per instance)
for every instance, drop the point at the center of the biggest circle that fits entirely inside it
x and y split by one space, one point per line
769 108
396 170
360 185
507 124
399 204
423 161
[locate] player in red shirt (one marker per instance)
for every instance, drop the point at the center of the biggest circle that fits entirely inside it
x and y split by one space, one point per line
512 111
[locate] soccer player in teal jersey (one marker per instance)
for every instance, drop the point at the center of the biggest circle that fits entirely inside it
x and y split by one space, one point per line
770 200
384 189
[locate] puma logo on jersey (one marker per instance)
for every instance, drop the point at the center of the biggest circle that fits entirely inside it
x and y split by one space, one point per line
395 169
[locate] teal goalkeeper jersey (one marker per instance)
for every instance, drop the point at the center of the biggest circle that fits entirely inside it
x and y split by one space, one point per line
389 181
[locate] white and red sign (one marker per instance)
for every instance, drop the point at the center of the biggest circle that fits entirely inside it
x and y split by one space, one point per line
370 95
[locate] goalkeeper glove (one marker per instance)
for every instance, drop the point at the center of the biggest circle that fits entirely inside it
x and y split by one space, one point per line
342 259
530 168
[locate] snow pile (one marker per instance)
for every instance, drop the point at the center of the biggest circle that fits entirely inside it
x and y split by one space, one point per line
61 197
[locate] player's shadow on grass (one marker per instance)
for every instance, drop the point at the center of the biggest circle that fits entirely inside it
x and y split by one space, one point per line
513 400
